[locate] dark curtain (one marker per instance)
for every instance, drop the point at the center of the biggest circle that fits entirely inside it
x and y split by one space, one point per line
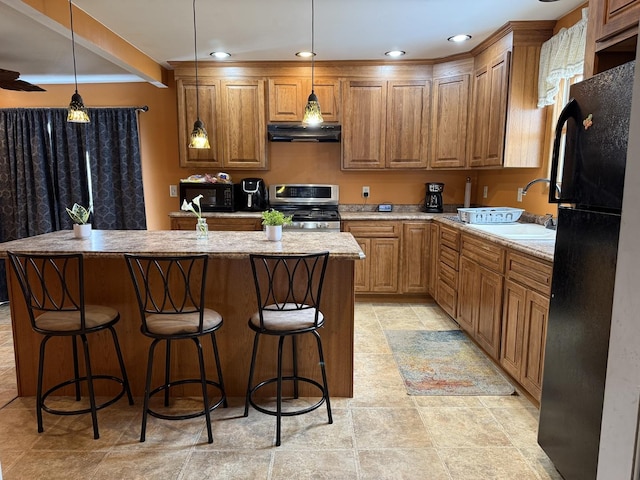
47 164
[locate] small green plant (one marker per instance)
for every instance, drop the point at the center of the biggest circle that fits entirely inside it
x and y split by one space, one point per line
274 217
79 214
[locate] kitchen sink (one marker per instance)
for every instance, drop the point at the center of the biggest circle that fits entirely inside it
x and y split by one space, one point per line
516 231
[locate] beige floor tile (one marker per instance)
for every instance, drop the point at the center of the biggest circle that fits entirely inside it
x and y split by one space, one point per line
401 464
370 338
520 424
147 465
497 401
9 457
63 465
540 463
463 427
231 465
313 431
441 401
495 463
389 428
313 465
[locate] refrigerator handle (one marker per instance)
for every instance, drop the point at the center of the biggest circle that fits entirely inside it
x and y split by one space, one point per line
571 110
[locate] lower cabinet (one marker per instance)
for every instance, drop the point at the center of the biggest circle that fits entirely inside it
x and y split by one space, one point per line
524 320
416 257
217 223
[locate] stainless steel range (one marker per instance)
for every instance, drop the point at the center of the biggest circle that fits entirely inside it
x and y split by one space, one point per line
314 206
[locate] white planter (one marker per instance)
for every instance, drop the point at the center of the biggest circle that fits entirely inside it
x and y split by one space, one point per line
82 231
273 232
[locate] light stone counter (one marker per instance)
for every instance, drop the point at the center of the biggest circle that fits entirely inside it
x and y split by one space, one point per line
114 243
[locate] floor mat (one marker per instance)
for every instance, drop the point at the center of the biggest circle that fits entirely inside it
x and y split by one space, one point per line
444 363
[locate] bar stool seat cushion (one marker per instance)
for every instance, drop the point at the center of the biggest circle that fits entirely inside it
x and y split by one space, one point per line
68 321
288 319
180 323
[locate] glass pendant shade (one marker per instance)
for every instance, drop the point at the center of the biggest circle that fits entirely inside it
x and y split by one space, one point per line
77 111
199 138
312 112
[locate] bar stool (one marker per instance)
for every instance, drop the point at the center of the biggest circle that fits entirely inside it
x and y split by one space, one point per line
171 296
53 288
288 289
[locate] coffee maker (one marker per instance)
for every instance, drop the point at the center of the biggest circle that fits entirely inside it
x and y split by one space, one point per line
252 195
433 198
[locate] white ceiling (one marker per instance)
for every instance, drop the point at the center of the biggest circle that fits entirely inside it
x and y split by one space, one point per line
40 49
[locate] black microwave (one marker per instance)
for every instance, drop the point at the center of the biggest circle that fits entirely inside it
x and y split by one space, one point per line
216 197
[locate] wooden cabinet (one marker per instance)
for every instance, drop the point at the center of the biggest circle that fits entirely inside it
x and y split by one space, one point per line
218 223
380 242
524 319
446 288
449 121
480 292
233 112
506 128
208 106
288 97
385 124
434 259
415 257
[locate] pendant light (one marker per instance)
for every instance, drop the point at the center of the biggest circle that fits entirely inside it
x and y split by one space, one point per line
199 138
312 112
77 111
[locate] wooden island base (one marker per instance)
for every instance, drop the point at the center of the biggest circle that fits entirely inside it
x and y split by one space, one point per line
231 292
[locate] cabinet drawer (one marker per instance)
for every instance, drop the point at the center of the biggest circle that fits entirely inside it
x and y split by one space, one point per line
447 298
372 229
448 275
484 253
530 272
449 257
450 237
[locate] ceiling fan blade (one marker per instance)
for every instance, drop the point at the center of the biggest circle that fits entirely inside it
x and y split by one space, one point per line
9 81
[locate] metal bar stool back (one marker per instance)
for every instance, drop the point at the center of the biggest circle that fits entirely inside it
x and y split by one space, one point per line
53 289
288 291
171 299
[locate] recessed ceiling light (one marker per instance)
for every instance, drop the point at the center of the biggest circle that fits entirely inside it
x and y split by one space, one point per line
220 55
547 1
305 54
395 53
459 38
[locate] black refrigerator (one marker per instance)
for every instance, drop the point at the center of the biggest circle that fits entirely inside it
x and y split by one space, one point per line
597 125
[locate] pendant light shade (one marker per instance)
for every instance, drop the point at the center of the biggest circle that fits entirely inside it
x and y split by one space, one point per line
312 111
199 137
77 111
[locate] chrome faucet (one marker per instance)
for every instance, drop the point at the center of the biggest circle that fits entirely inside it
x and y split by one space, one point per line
539 180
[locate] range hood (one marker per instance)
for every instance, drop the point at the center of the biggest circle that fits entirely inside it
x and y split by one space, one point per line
303 133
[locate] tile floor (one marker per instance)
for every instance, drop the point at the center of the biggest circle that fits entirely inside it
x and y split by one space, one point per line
381 433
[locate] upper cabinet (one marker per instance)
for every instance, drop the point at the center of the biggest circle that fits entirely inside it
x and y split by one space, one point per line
385 124
506 127
449 121
233 112
288 97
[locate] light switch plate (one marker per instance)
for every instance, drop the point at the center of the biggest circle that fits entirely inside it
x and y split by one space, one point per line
173 190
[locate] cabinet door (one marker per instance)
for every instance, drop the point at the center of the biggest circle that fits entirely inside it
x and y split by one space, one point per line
328 93
364 124
408 115
534 339
188 108
286 99
467 295
478 117
363 267
416 255
489 311
618 16
513 313
498 89
384 264
449 121
245 128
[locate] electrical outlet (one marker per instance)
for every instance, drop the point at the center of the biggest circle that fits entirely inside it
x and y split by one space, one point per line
520 194
485 191
173 190
365 192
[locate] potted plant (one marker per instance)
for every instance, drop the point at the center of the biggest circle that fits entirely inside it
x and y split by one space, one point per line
202 229
80 216
273 220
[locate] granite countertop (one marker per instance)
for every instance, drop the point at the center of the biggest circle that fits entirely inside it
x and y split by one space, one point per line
221 244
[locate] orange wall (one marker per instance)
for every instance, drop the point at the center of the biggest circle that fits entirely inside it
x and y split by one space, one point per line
289 162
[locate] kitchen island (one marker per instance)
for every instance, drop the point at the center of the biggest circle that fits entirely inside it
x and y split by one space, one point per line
230 291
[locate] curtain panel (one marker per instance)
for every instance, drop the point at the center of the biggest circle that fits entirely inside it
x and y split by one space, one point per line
48 164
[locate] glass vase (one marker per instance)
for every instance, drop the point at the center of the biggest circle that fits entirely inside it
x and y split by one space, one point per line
202 229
